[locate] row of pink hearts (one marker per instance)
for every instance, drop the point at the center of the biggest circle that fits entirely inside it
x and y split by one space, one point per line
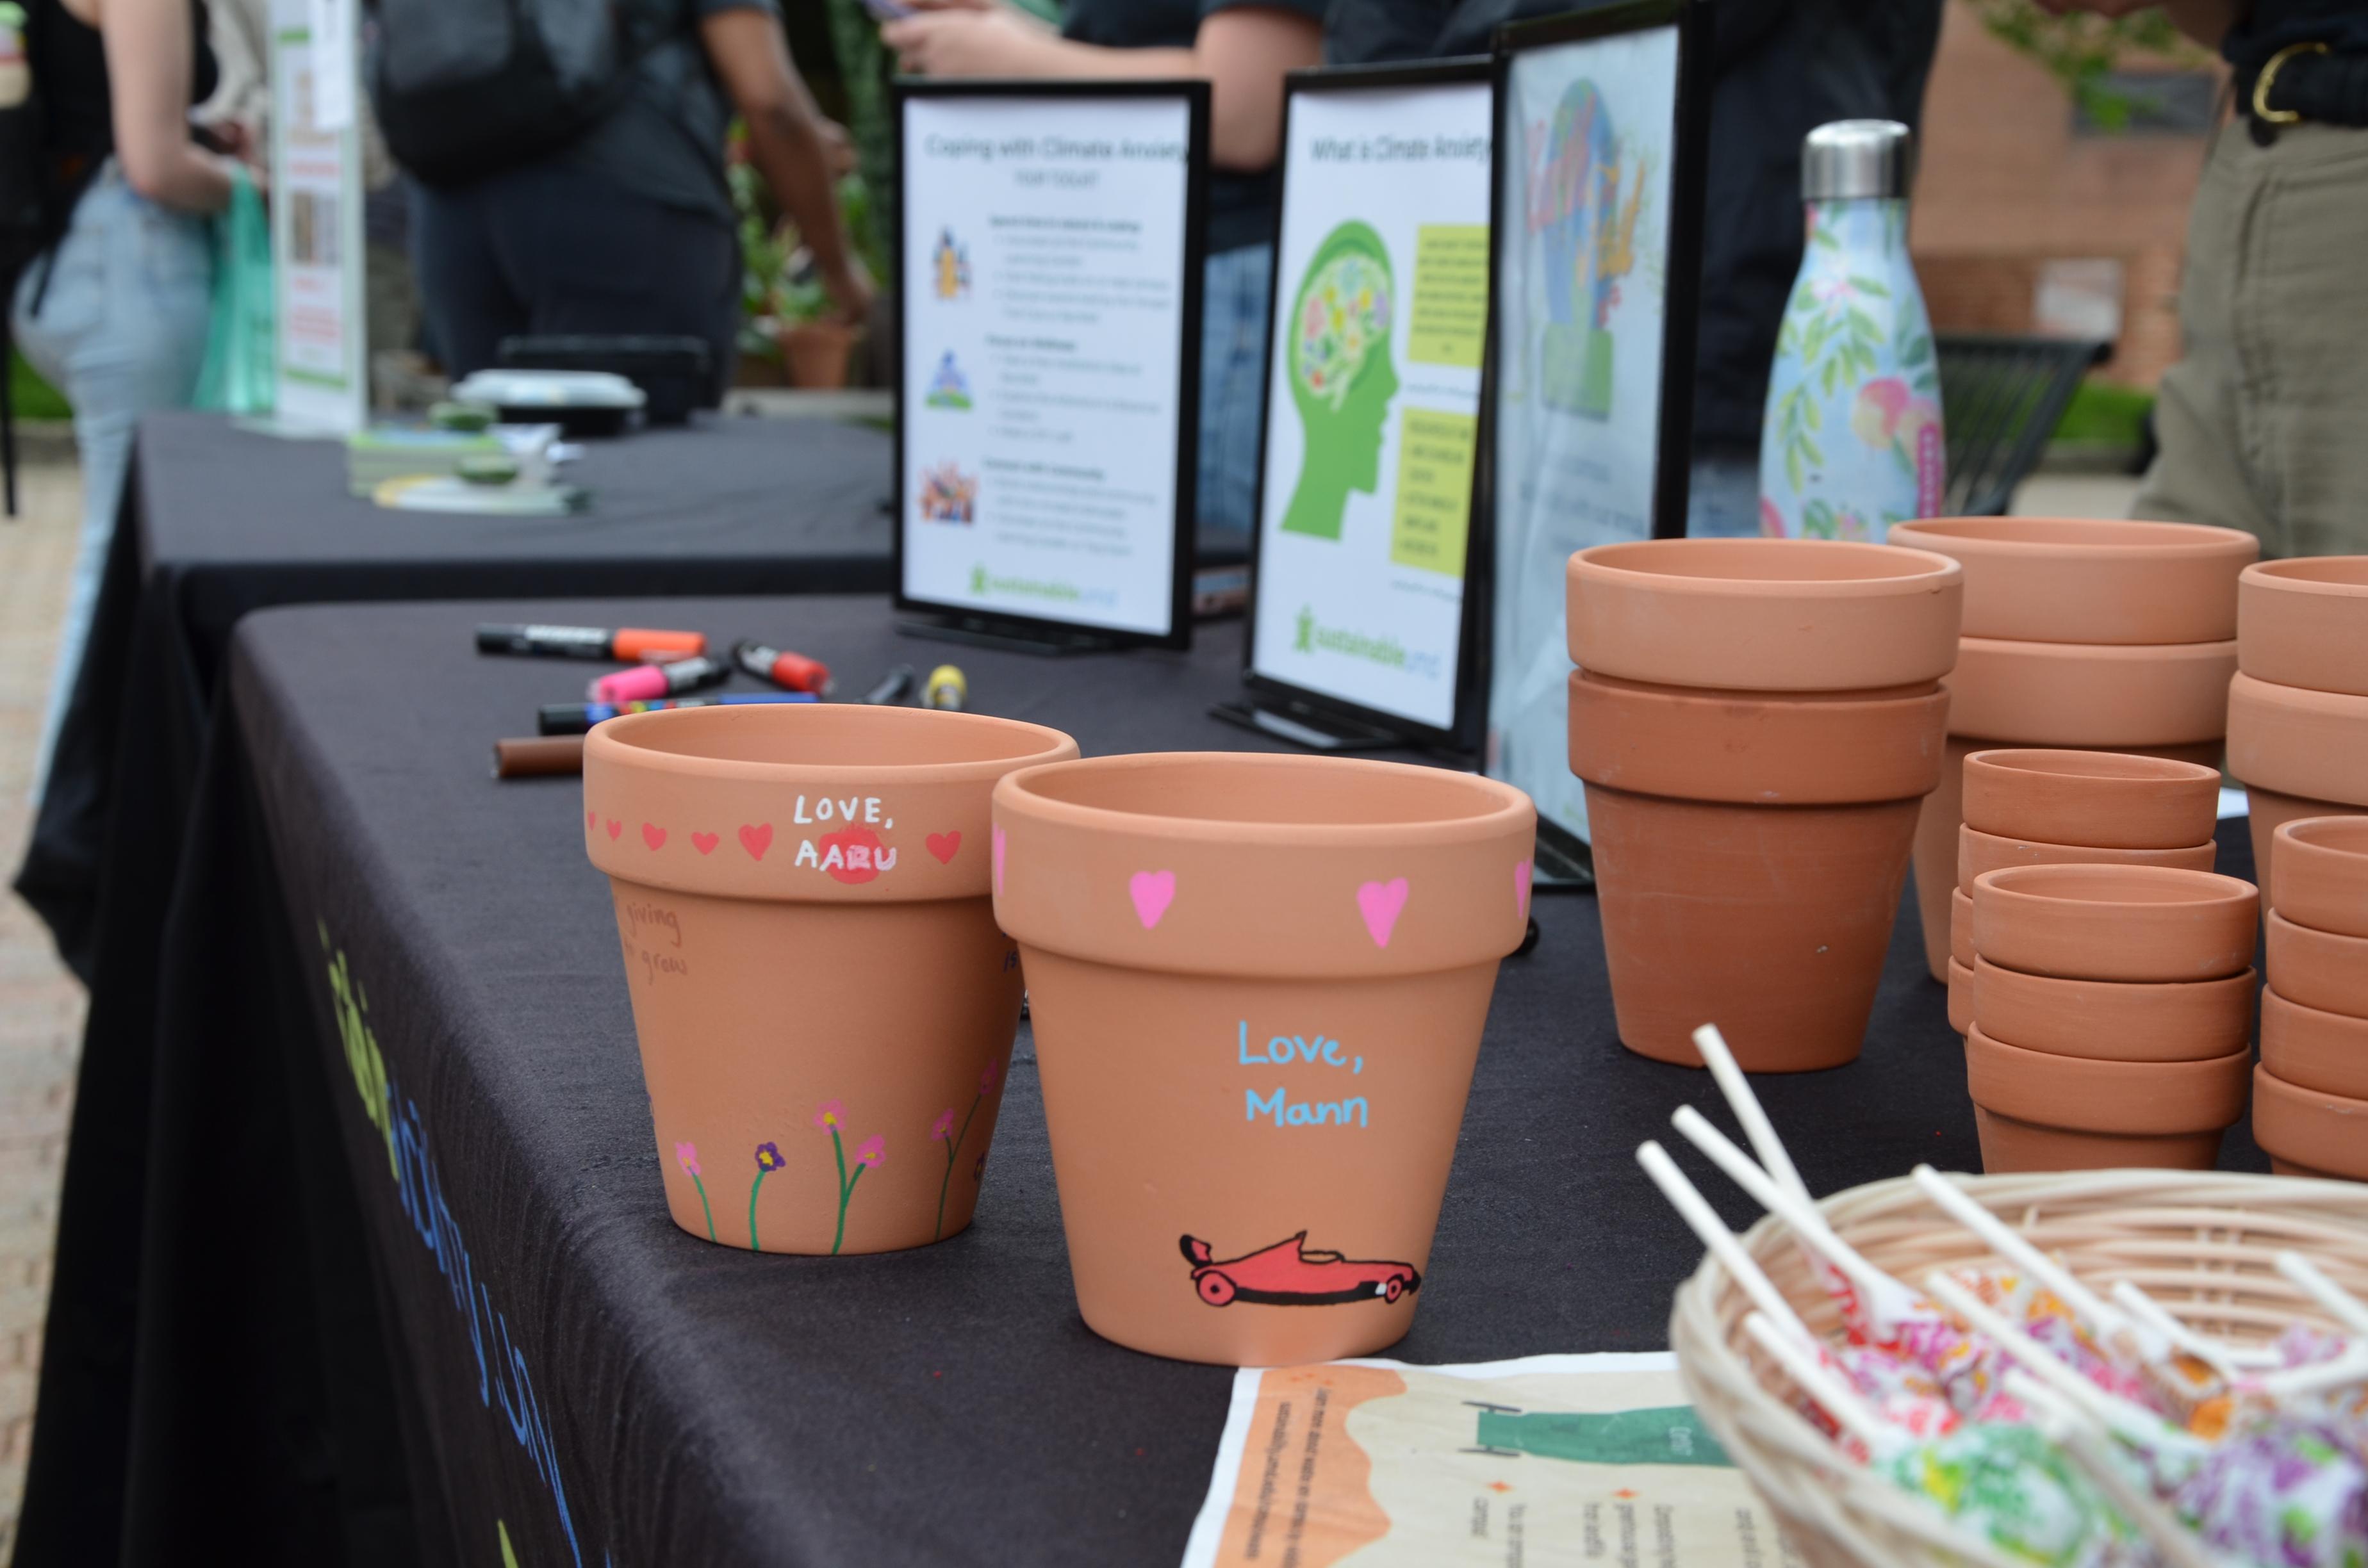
1150 891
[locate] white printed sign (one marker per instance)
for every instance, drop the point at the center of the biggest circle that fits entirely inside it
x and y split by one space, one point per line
321 361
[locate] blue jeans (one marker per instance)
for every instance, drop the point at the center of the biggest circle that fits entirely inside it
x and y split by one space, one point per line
1234 286
121 330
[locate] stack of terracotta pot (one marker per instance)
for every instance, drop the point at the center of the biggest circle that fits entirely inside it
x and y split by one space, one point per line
2112 1015
2310 1093
2062 808
2107 636
1757 723
2298 705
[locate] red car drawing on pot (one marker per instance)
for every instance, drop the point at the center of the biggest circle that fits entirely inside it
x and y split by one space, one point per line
1289 1273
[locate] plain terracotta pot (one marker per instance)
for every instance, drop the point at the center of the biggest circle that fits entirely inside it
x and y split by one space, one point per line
2073 694
1960 996
1978 852
2080 580
2306 622
2313 743
1763 614
2079 1113
2134 923
2322 865
1961 928
2109 799
1257 985
2268 811
2314 1132
2313 1049
2111 1020
1936 835
1759 749
2317 968
783 876
817 353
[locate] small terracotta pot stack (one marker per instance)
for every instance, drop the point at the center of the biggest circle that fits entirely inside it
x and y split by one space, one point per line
2107 636
2112 1015
2298 704
2310 1093
2063 808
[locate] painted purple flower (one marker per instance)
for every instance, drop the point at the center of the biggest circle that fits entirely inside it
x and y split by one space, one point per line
986 1079
687 1156
768 1156
978 1171
943 1126
871 1151
831 1116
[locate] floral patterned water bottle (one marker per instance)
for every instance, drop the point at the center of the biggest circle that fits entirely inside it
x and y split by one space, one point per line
1853 440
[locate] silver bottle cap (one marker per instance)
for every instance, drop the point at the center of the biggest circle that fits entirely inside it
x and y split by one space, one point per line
1848 158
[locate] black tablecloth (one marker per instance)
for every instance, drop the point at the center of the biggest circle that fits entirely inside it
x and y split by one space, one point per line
406 1283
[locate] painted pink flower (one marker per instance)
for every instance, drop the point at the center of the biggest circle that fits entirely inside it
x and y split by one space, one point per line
687 1156
1771 521
986 1079
1875 416
832 1115
943 1125
871 1151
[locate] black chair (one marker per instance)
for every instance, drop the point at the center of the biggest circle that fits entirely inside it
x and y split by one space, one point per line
2000 399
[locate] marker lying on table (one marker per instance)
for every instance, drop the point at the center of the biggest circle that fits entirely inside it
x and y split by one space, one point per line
645 681
539 756
629 644
575 718
790 672
894 687
947 688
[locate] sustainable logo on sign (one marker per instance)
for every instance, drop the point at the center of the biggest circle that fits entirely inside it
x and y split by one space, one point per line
984 583
1313 637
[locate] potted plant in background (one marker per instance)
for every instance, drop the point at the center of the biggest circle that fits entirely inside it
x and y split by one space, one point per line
789 322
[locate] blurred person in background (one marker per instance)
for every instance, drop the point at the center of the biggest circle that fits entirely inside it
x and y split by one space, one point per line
576 184
1778 70
1242 50
114 310
2260 422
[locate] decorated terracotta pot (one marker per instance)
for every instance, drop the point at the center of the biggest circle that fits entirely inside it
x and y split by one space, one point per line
2037 1111
2313 1049
2304 623
2103 799
1978 852
1257 985
2317 968
2308 1131
2322 867
2134 923
2080 580
2268 811
825 1006
2114 1020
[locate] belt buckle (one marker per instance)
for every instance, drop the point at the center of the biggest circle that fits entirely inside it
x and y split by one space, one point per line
2268 75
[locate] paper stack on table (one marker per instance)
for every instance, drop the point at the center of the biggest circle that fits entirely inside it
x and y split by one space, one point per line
399 451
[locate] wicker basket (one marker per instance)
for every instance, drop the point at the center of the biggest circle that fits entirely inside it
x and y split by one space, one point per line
2201 1243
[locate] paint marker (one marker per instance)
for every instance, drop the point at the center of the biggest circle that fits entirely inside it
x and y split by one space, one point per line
790 672
575 718
947 688
659 680
631 644
894 687
539 756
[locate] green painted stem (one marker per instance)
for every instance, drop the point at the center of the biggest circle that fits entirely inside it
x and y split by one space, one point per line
846 1187
844 1199
711 1213
951 1149
753 1191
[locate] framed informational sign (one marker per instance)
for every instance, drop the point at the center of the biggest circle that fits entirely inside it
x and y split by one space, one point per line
321 361
1049 250
1597 265
1374 344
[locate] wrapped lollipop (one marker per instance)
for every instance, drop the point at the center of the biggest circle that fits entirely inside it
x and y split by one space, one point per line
2282 1492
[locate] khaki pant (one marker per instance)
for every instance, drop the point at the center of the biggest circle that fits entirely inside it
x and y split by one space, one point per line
2264 422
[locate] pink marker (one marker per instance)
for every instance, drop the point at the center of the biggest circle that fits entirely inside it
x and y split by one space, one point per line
645 682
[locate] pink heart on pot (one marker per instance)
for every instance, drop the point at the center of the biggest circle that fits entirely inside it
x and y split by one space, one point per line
705 842
589 818
757 840
996 846
653 835
615 827
1521 890
944 845
1380 904
1153 892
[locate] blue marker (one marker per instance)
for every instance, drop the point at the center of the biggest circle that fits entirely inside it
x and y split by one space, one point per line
577 717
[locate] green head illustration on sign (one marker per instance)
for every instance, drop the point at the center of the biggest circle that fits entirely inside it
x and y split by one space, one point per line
1338 339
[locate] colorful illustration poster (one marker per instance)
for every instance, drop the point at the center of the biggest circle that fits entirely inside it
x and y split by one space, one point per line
1044 337
1543 1461
1373 395
1581 296
321 357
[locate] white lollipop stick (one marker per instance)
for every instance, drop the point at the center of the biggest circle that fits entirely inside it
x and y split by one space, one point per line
2134 1422
1698 1214
2351 1367
1807 1224
1841 1402
2221 1357
2347 1308
2016 1249
1745 1106
2069 1428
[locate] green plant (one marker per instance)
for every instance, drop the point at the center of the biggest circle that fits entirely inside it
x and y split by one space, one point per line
2082 49
2105 414
34 398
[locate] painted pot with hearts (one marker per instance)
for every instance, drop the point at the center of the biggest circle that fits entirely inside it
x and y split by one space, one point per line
824 1003
1257 985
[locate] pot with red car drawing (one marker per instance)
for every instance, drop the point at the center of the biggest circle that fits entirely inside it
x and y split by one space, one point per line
1290 1274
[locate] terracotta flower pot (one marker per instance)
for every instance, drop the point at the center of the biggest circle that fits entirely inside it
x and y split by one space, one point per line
1763 614
1761 749
1961 928
2074 694
1978 852
817 353
2306 622
781 877
2269 810
2313 743
2046 1112
2317 968
2078 580
2322 865
2109 800
2314 1132
2313 1049
1960 996
2135 923
2111 1020
1257 985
